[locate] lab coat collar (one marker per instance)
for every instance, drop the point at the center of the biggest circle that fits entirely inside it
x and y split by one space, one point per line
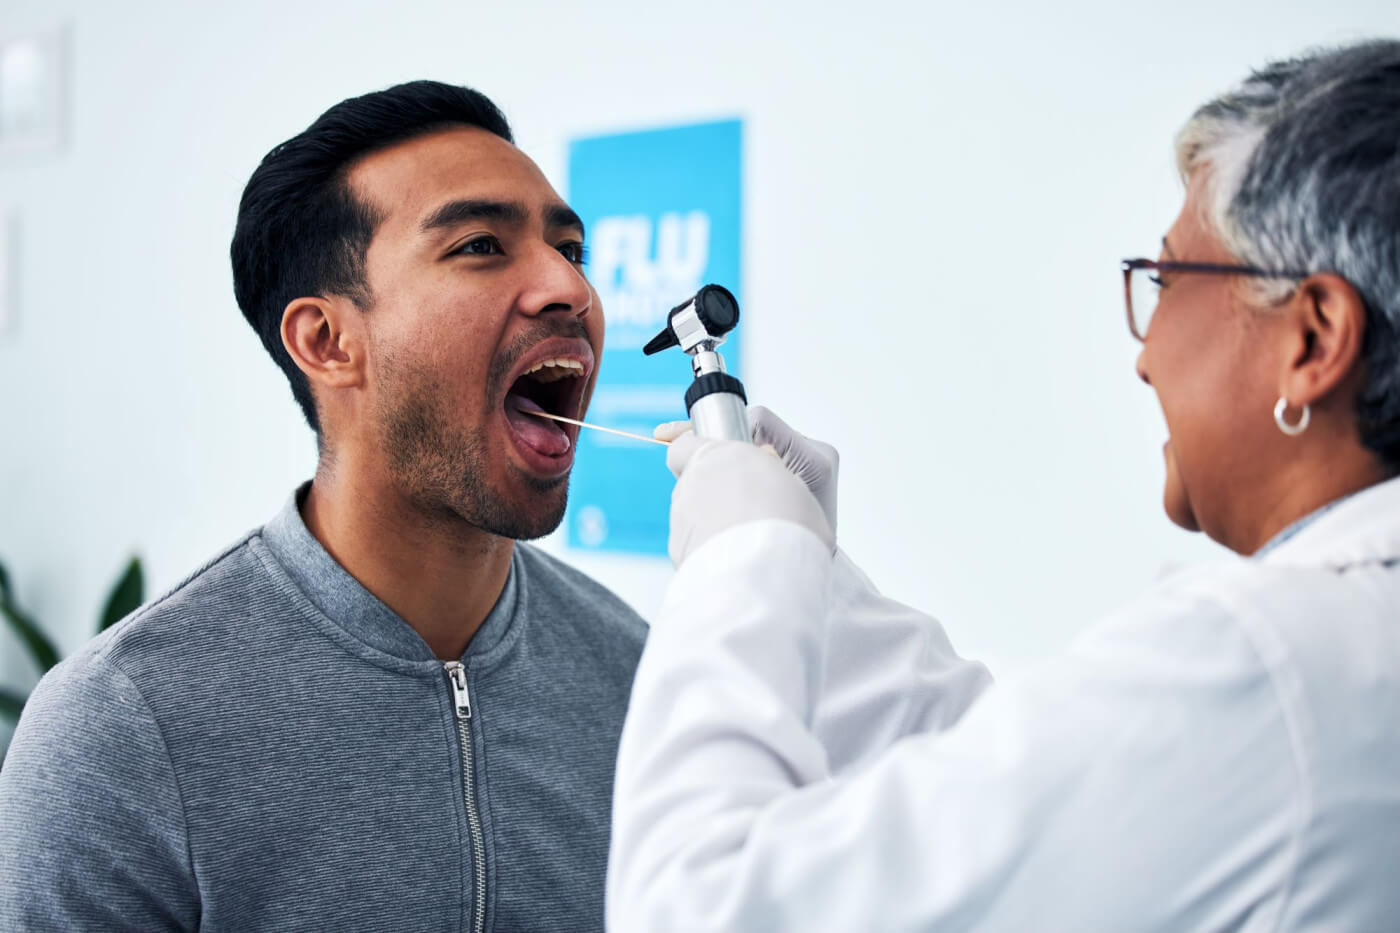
1363 529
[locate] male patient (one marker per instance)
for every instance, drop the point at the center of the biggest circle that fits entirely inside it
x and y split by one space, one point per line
376 712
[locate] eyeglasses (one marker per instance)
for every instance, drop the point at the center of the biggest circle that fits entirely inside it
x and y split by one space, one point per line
1141 284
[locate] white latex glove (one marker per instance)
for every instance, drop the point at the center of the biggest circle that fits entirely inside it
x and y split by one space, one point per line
814 462
721 484
668 431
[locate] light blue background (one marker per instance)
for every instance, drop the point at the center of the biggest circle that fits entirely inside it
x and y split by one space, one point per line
636 192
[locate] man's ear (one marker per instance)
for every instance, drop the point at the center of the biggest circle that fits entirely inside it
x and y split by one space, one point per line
323 337
1327 327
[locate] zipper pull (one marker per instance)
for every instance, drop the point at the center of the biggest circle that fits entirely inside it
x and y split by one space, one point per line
457 675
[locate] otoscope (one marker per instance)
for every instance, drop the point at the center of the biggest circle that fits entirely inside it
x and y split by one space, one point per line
715 401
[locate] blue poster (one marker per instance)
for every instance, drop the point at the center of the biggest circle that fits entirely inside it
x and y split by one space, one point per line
662 213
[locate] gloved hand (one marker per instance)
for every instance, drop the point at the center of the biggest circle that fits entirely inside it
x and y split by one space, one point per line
721 484
814 462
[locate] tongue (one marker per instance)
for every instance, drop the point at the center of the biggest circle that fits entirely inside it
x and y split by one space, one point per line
541 434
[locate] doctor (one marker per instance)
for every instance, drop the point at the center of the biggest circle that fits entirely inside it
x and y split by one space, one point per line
1221 754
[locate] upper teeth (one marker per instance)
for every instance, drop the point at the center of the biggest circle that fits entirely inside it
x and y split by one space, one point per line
554 370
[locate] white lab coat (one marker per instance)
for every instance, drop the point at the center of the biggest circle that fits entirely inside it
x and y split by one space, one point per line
1222 754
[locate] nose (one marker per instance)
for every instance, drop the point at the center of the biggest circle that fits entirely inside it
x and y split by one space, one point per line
1141 366
554 284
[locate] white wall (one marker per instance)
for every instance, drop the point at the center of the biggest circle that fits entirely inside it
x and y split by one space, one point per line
937 197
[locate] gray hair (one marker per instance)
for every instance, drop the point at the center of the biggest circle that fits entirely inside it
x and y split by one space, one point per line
1304 161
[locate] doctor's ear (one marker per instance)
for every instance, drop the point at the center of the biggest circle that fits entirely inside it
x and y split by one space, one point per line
323 337
1326 328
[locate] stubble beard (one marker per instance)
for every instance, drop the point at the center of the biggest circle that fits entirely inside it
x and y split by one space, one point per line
442 471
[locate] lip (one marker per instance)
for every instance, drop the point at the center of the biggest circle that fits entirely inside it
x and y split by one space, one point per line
552 348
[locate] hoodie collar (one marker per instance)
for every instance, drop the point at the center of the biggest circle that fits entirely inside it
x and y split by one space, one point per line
358 612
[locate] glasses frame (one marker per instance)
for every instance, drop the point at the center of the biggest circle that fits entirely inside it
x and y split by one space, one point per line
1130 266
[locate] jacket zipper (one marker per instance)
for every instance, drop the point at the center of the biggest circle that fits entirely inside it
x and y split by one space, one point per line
457 677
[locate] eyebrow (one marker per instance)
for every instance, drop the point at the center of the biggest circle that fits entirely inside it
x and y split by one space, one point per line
466 210
561 215
1167 247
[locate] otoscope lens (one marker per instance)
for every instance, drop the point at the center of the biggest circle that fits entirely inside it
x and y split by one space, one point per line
717 308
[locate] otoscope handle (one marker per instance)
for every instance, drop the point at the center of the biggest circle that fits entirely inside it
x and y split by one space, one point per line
716 402
722 416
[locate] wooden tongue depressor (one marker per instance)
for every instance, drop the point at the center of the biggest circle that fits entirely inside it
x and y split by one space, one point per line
596 427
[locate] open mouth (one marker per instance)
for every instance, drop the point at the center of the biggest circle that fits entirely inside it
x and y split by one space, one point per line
555 386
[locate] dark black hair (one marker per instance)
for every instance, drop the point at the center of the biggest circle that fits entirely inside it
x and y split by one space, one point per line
301 231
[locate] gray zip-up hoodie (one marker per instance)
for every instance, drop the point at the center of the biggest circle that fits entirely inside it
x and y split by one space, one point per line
270 747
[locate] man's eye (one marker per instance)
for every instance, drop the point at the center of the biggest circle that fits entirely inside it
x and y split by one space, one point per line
1156 280
576 253
481 246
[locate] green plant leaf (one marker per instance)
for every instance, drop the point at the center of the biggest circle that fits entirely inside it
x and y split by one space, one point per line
43 652
126 595
11 703
40 648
